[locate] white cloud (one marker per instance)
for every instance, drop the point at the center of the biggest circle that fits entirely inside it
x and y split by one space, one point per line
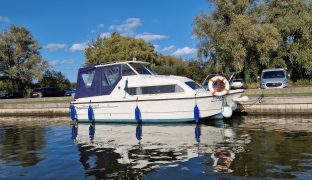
4 19
184 51
100 25
61 62
55 46
150 37
105 35
169 48
78 47
156 47
127 26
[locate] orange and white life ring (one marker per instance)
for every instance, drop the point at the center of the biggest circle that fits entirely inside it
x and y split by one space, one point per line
226 84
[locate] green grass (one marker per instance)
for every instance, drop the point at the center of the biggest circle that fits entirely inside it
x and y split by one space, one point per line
36 102
298 83
281 94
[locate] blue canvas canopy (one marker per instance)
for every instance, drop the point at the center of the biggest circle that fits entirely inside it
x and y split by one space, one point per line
96 81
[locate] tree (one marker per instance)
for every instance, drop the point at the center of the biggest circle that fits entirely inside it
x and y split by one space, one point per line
54 79
195 71
293 19
251 35
119 48
170 65
20 61
234 38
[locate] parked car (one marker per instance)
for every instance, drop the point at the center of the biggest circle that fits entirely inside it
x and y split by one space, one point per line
70 92
274 78
46 92
13 95
238 84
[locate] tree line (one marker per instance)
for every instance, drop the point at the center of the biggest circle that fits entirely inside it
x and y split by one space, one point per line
251 35
238 36
21 65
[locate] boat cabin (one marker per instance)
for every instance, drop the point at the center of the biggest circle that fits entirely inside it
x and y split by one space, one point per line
102 79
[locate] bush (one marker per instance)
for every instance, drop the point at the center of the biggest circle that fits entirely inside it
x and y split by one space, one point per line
301 82
253 85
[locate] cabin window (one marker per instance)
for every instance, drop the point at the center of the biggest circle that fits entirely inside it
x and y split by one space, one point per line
110 75
132 91
172 88
88 78
192 85
127 71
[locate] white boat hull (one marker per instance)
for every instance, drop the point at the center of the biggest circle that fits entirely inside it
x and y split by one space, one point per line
152 110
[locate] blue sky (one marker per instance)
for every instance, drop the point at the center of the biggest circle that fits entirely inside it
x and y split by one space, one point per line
64 27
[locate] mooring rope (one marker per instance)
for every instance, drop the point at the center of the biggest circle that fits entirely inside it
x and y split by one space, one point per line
258 100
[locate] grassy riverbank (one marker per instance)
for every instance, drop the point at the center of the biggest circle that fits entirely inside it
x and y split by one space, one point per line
37 100
280 94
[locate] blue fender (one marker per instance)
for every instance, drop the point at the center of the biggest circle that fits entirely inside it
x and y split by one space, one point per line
90 113
137 114
196 114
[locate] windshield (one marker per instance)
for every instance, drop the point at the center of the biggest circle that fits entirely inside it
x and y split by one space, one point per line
37 90
205 83
192 85
141 69
273 74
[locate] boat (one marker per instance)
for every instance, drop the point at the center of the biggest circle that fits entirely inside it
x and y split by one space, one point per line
130 91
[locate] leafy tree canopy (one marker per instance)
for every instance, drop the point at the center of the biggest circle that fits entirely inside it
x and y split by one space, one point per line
293 19
54 79
170 65
20 61
119 48
250 35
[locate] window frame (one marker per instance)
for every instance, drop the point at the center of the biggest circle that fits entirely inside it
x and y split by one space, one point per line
93 72
188 85
139 90
146 69
127 65
107 89
105 75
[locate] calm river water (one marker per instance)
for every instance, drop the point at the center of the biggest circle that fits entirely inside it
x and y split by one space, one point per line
243 147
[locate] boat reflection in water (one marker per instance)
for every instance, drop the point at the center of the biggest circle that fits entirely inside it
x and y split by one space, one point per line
134 150
258 147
